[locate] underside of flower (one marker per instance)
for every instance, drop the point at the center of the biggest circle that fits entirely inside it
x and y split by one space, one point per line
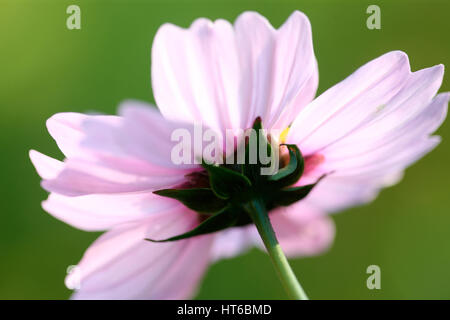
222 194
119 174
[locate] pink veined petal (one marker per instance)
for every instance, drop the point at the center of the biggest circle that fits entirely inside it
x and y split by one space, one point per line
369 128
80 177
349 104
122 265
226 76
301 230
149 136
399 118
102 212
231 242
295 73
344 189
75 132
357 180
333 194
112 145
67 130
194 73
96 212
257 42
391 129
397 162
108 139
387 154
129 153
305 96
46 167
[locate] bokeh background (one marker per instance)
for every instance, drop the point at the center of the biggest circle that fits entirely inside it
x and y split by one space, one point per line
46 68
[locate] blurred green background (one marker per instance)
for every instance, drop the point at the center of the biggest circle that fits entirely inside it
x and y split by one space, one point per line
46 68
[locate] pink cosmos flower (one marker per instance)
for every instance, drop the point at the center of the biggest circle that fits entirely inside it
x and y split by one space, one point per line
365 130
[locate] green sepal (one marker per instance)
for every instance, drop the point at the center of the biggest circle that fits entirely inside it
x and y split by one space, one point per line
253 171
202 200
288 196
222 193
226 182
221 220
292 171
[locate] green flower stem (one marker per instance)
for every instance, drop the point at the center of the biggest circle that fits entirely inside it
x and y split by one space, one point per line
257 211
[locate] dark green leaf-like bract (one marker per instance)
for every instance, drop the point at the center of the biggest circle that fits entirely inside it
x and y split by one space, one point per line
226 182
292 171
219 221
202 200
224 194
288 196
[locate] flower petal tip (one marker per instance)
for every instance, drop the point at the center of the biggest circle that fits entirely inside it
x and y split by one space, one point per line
46 167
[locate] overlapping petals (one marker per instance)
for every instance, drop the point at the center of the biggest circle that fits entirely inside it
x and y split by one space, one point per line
225 76
368 128
362 133
122 265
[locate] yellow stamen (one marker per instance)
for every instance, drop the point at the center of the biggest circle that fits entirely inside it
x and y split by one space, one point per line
283 135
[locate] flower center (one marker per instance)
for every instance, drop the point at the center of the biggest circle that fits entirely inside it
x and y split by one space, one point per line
221 194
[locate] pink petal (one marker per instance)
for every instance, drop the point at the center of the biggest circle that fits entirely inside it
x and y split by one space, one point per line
295 74
226 77
46 167
301 230
67 130
194 73
374 133
109 140
102 212
147 135
257 42
333 194
349 104
231 242
128 153
122 265
80 177
410 119
359 177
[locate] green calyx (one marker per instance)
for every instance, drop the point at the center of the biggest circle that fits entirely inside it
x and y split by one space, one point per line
223 203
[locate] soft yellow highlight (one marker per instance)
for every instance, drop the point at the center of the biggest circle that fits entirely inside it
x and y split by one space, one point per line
283 135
